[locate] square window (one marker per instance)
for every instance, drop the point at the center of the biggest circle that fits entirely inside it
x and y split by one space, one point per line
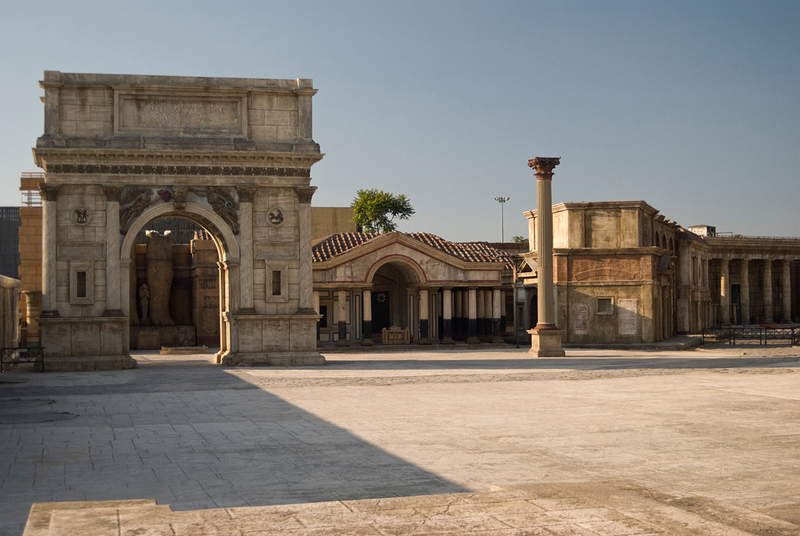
605 306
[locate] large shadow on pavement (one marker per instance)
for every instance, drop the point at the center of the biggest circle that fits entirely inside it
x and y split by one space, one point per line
190 437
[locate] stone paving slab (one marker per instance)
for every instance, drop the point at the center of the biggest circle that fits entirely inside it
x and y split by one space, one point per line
713 434
568 509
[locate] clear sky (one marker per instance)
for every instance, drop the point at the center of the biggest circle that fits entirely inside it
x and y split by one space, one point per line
692 106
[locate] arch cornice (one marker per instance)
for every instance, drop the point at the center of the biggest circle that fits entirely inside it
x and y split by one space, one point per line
202 215
395 258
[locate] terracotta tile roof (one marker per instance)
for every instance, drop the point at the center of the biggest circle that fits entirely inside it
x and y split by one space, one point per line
334 245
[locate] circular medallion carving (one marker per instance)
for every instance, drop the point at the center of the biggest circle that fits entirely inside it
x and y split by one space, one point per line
275 216
81 215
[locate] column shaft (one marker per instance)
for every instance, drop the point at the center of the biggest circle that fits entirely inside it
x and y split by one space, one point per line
447 316
544 247
424 328
306 276
472 324
745 291
724 292
366 338
49 236
246 252
113 283
767 283
342 319
786 288
496 312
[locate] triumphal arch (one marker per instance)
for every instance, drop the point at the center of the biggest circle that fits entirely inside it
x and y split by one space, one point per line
232 155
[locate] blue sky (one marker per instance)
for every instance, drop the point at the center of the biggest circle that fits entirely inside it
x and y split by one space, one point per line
692 106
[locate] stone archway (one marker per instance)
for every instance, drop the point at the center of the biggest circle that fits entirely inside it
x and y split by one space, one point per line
234 155
228 257
393 281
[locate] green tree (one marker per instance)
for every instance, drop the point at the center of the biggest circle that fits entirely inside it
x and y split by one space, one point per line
375 210
520 239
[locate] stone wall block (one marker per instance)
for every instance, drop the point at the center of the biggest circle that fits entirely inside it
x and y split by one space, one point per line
276 335
261 132
285 102
256 117
73 112
287 133
85 339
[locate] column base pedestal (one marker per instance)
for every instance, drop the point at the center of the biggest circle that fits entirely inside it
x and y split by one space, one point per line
368 342
546 343
473 340
448 340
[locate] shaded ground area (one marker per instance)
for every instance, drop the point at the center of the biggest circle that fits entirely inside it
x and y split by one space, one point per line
711 430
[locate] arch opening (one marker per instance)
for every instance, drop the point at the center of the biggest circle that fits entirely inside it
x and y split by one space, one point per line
177 289
393 295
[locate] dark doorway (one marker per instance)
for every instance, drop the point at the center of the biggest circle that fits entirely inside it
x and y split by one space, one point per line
381 311
533 309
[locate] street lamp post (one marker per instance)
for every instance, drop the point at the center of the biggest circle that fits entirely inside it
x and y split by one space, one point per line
502 200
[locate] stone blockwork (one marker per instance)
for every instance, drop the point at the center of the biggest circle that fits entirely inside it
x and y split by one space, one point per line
232 155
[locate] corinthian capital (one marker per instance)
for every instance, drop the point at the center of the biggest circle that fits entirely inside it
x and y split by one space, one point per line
247 192
49 191
304 194
112 193
543 167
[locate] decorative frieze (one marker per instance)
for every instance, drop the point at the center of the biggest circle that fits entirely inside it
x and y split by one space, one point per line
148 169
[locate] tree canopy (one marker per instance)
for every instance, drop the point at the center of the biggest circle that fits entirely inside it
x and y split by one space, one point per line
375 210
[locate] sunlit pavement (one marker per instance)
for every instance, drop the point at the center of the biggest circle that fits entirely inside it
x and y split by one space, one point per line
599 442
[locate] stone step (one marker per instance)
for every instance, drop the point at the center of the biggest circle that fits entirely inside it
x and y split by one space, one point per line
40 516
566 508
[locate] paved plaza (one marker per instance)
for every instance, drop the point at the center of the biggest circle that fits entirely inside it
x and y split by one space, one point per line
445 441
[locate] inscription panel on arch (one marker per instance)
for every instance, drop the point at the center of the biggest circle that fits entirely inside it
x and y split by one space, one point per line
179 115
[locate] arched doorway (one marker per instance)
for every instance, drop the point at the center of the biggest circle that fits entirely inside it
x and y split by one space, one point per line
393 299
174 288
147 332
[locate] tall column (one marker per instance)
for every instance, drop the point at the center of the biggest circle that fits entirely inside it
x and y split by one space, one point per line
424 328
49 236
480 314
366 338
496 311
786 288
458 316
113 281
306 275
745 291
246 195
447 316
224 311
472 324
342 319
545 337
767 283
487 315
724 292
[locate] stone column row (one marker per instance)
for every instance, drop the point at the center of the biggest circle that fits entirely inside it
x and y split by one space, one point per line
474 315
744 287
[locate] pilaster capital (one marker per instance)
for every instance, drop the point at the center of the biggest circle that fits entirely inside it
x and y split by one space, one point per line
247 192
305 193
49 191
543 167
112 193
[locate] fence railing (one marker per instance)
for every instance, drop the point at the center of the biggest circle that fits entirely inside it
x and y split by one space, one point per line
762 333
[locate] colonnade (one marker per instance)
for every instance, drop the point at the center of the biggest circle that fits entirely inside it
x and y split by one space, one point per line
471 314
746 309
